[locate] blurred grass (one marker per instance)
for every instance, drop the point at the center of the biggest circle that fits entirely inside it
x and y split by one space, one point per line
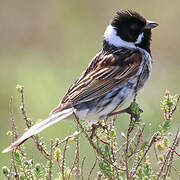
45 45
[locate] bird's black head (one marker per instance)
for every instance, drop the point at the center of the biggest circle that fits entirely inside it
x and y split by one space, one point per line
129 29
129 25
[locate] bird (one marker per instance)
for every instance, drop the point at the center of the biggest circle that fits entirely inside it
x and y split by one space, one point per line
113 76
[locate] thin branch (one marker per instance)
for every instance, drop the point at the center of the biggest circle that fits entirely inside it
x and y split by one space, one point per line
14 137
63 160
175 107
153 139
112 146
99 175
51 160
94 165
98 151
77 166
82 168
139 136
35 138
155 151
10 173
177 172
127 149
171 151
76 133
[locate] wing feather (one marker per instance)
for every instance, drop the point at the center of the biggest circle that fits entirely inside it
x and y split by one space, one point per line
104 73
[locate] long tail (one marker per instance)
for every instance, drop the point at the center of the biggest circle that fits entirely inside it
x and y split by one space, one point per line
40 127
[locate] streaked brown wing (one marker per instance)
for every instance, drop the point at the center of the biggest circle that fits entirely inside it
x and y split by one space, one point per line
104 73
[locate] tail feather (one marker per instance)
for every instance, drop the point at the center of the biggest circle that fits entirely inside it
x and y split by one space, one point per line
40 127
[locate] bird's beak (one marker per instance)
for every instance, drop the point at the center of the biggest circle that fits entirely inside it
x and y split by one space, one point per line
151 25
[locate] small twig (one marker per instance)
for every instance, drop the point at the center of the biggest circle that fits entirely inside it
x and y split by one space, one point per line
22 107
98 151
138 141
155 151
82 166
127 149
169 113
76 133
58 163
115 160
111 146
35 138
172 151
14 166
71 170
169 156
177 154
31 176
94 165
153 139
175 107
10 173
166 166
163 165
63 160
101 140
14 137
77 167
51 160
176 171
99 175
130 129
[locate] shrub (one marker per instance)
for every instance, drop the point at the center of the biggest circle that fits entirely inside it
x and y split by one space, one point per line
129 159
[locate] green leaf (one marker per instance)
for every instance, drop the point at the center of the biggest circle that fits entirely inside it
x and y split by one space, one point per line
5 170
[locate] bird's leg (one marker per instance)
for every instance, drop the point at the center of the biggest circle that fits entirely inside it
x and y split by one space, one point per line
128 111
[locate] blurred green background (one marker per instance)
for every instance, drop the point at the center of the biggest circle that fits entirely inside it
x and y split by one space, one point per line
45 45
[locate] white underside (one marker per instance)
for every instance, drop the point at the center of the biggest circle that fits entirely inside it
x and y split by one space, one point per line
91 116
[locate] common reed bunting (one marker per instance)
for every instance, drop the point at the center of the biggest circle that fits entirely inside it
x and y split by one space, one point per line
111 77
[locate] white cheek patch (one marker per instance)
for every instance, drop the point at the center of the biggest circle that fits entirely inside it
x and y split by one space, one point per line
139 39
111 37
